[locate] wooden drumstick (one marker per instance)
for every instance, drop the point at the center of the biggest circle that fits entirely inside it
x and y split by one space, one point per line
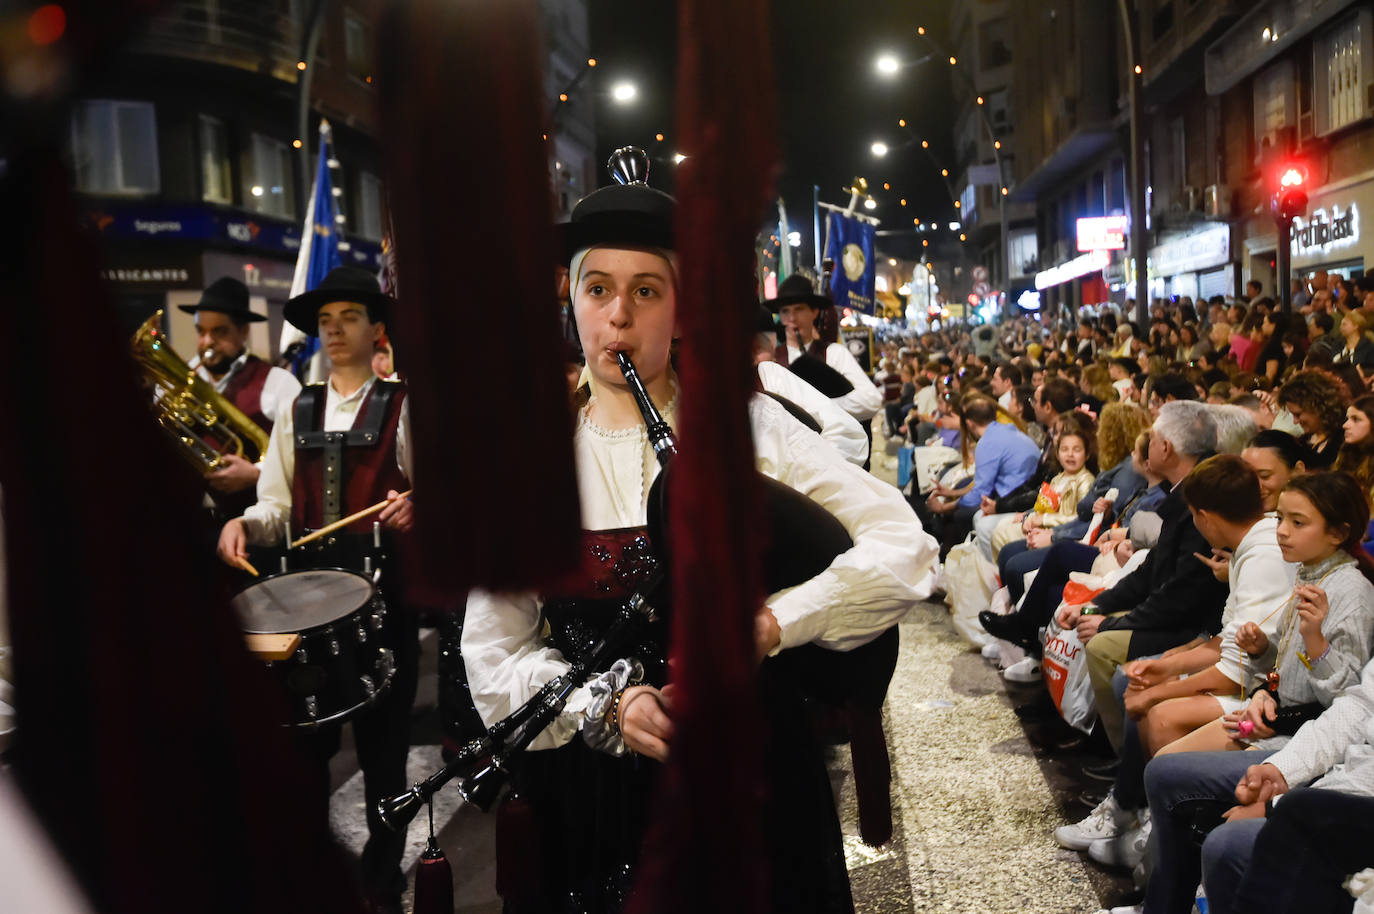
340 524
246 566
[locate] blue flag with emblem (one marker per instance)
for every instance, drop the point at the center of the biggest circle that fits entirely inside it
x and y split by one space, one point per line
849 242
319 254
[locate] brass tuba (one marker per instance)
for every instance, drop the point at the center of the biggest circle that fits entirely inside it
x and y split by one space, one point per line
201 421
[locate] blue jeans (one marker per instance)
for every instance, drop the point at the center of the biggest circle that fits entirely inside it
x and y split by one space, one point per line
1312 840
1179 786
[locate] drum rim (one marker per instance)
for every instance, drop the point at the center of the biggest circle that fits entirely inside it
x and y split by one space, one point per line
339 715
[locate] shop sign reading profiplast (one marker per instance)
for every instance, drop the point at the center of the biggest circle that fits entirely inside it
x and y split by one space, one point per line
1327 229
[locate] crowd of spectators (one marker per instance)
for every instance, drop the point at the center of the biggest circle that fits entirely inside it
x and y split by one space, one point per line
1190 500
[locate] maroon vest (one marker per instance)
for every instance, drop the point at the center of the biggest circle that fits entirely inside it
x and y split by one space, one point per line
340 473
244 390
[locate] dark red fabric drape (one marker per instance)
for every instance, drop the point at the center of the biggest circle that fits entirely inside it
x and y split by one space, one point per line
704 849
462 110
148 742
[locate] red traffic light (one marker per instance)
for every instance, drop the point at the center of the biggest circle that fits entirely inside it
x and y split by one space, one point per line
1292 176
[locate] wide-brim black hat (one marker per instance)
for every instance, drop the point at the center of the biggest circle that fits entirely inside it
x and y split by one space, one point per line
629 213
226 295
796 290
340 284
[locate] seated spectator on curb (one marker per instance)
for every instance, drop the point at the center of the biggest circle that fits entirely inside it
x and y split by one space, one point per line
1120 426
1057 500
1173 596
1330 616
1004 459
1317 403
1043 596
1169 696
1283 828
993 511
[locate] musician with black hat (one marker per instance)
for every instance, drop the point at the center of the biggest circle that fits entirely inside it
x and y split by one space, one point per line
589 792
811 407
343 446
798 306
258 389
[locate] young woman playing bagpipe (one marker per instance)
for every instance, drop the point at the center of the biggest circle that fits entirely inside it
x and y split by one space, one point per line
584 802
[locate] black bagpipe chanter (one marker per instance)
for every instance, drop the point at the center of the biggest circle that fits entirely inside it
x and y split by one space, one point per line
801 541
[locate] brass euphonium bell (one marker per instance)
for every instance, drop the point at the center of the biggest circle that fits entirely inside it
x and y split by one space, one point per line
201 421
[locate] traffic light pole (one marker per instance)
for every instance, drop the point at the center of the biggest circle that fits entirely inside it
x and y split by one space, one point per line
1284 258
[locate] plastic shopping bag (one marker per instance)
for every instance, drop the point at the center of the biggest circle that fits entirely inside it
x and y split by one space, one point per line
970 581
1065 669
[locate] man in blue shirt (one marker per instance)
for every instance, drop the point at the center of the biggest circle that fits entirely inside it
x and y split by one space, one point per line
1003 460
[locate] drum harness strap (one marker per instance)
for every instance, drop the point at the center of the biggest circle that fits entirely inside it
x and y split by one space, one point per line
309 414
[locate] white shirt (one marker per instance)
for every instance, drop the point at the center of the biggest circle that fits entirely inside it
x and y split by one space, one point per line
1335 751
265 522
927 401
837 426
1261 584
279 390
865 590
864 401
1004 401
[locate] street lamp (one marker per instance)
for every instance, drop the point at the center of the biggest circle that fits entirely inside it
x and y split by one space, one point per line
887 65
624 92
879 149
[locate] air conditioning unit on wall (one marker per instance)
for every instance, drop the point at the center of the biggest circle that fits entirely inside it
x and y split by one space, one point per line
1216 201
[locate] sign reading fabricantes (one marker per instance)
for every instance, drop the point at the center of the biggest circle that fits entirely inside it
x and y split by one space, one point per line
1327 229
1102 233
1091 262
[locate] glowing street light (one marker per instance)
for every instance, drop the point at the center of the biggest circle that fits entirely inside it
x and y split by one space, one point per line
879 149
887 65
870 203
678 158
624 93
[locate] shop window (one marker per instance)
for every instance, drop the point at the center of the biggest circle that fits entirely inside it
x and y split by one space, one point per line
270 187
215 183
1342 73
114 148
369 215
357 49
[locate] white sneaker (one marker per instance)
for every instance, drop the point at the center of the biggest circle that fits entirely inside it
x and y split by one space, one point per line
1027 669
1125 851
1008 654
1107 820
992 651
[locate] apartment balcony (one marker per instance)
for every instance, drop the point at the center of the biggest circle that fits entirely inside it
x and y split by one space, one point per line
244 34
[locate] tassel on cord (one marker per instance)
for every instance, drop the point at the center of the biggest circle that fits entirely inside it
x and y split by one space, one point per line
477 331
433 876
704 850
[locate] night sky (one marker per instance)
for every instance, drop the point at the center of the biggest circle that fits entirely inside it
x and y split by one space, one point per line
832 104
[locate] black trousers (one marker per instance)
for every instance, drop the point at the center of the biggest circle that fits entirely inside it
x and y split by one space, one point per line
1311 842
381 733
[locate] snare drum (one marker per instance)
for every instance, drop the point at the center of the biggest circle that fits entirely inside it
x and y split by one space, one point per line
340 665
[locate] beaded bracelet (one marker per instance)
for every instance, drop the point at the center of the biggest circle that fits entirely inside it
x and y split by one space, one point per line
615 711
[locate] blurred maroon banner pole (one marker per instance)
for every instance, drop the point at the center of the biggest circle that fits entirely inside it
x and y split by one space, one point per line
464 138
704 850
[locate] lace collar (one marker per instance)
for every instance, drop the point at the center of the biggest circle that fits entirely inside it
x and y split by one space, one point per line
584 420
